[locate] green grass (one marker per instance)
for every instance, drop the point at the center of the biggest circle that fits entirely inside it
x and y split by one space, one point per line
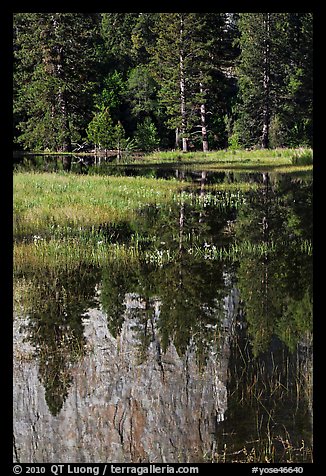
68 254
302 157
58 219
45 201
232 159
49 204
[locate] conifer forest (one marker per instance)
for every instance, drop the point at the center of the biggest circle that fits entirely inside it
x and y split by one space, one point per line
190 81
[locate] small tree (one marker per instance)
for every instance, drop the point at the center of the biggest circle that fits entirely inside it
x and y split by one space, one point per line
119 138
100 130
146 135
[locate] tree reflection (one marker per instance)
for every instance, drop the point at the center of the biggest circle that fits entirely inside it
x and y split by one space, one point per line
56 331
180 302
276 285
269 415
117 281
191 310
270 366
262 298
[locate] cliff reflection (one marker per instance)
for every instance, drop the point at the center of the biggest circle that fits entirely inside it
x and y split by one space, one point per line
55 329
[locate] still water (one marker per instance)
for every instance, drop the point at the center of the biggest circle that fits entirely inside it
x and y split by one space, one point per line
187 355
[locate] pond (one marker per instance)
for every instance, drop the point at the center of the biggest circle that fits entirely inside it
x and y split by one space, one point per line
199 349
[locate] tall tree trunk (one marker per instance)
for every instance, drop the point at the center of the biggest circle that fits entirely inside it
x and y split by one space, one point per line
66 136
65 145
266 83
203 122
182 90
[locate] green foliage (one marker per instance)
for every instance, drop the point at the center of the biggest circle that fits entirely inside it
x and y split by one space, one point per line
277 132
146 135
54 59
275 79
111 94
234 142
141 91
100 130
116 31
125 146
248 71
187 60
303 157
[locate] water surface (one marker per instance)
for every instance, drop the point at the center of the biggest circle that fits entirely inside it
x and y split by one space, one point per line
188 355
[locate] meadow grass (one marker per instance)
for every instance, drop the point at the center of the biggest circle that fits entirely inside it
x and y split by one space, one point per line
58 218
48 204
63 220
44 200
236 159
68 254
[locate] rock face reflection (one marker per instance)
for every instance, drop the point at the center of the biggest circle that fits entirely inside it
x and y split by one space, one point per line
121 406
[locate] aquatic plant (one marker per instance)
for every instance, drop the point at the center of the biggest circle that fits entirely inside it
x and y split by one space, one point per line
69 254
236 250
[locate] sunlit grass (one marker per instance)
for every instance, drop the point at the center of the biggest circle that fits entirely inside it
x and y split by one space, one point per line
59 219
68 254
289 159
44 200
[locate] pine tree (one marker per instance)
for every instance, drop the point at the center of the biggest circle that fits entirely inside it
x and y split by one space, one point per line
188 56
116 31
168 69
54 58
257 73
146 135
100 130
296 111
275 79
212 54
141 92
